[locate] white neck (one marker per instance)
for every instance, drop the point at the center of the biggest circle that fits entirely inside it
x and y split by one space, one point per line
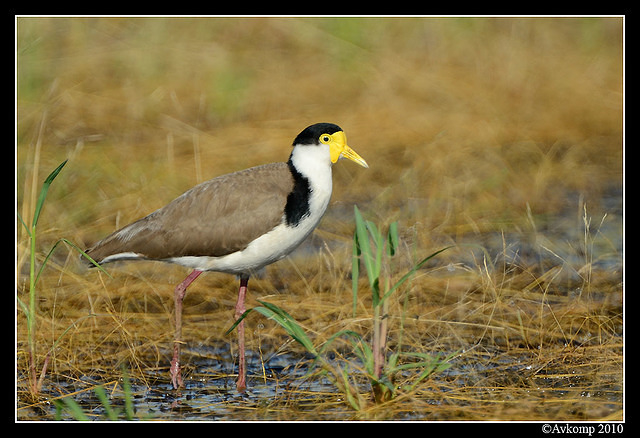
314 163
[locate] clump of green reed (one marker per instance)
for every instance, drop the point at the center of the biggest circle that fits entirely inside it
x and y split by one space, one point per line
375 250
29 309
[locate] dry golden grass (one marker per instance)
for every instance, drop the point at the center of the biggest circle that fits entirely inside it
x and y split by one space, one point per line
477 132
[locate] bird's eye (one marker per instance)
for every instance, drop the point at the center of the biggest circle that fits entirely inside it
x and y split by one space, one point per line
325 138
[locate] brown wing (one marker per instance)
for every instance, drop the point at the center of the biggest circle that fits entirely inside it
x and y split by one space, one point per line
215 218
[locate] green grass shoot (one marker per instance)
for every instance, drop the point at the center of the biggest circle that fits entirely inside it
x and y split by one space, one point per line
29 308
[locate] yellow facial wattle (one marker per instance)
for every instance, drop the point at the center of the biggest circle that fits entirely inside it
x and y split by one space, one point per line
338 148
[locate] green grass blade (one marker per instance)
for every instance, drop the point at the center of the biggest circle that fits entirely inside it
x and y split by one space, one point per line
75 247
429 364
106 405
393 239
84 254
352 397
24 224
373 232
365 246
74 408
378 241
287 322
44 190
239 320
413 270
24 307
355 273
74 324
128 395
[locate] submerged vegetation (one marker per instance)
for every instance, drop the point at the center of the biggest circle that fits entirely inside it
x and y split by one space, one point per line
498 139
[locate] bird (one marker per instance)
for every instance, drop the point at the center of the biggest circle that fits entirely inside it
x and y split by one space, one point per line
236 223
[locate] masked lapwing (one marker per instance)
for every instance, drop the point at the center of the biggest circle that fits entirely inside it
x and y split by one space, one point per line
236 223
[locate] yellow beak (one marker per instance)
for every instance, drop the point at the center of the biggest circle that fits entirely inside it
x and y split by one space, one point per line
339 149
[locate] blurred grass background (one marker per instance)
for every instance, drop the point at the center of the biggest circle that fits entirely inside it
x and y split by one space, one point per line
477 117
473 128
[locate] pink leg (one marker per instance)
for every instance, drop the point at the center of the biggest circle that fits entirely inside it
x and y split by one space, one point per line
240 309
178 294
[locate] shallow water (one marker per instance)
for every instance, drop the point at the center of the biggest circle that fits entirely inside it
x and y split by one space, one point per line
281 389
209 392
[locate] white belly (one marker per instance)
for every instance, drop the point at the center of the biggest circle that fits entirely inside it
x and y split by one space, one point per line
266 249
